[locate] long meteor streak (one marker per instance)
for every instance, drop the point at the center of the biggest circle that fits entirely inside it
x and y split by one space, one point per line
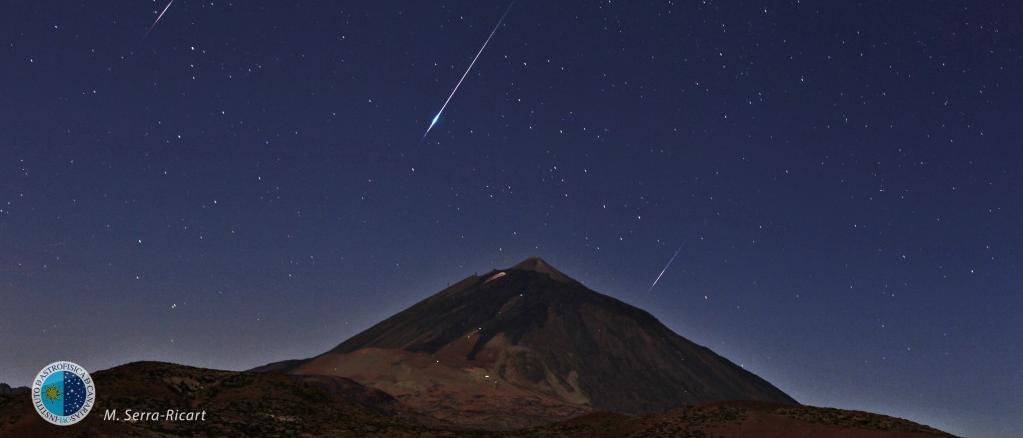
436 118
666 267
158 17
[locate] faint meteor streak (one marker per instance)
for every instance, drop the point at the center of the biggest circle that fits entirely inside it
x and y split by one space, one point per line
158 17
666 267
436 118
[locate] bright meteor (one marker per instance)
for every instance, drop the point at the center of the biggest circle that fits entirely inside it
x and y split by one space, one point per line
436 118
158 17
666 267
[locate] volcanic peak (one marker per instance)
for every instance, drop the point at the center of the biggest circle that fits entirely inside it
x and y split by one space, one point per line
537 264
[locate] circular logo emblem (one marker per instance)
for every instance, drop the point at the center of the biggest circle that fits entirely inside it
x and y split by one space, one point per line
63 393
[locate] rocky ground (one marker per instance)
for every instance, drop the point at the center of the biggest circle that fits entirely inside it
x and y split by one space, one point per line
269 404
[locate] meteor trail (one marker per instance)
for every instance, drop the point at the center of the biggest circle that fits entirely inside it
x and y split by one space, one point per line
158 17
459 84
666 267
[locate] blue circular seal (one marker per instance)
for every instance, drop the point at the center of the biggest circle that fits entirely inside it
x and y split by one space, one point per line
63 393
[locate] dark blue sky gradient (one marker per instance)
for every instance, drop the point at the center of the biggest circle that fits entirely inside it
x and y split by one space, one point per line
247 183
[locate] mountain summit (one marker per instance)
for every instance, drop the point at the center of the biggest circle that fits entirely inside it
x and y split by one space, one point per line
529 345
537 264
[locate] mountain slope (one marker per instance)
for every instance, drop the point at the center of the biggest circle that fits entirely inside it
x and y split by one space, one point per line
530 339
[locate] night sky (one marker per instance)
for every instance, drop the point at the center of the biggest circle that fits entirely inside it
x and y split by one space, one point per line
249 183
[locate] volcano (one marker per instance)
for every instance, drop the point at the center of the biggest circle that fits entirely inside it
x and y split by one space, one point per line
521 352
527 346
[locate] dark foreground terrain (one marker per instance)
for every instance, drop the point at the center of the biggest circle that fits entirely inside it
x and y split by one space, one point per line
268 404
